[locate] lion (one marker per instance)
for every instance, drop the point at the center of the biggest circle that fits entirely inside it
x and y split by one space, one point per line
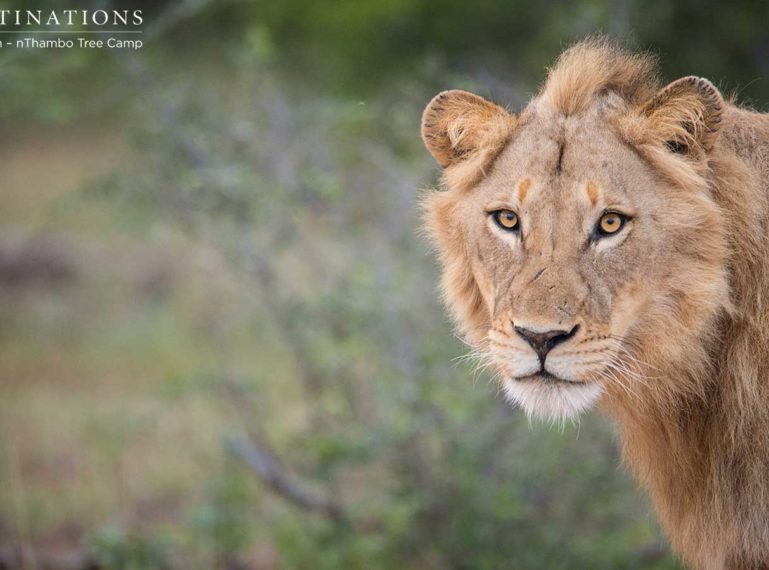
609 246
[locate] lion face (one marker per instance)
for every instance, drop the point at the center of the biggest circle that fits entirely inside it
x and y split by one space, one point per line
567 279
571 254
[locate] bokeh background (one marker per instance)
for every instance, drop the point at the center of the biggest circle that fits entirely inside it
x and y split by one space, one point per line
221 345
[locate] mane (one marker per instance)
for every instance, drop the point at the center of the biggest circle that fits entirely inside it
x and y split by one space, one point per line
597 65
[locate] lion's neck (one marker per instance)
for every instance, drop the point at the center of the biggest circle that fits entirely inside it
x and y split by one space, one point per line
703 454
705 458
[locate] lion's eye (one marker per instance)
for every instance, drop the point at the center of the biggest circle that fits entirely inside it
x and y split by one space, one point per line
506 219
610 223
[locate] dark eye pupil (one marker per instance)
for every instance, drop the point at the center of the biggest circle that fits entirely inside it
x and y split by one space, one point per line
509 216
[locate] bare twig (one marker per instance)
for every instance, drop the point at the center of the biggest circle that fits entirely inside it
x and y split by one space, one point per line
279 479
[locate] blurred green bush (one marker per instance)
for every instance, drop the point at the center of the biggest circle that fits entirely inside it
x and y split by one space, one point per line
355 48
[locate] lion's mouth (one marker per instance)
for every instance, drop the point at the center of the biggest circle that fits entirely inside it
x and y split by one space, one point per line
542 375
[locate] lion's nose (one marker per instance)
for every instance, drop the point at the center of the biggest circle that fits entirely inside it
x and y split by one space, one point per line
543 342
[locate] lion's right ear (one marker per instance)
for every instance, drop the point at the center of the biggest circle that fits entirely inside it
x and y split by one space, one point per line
458 125
685 115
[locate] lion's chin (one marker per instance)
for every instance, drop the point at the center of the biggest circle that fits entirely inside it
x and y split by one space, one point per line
552 399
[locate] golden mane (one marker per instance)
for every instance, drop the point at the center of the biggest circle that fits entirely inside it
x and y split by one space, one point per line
597 65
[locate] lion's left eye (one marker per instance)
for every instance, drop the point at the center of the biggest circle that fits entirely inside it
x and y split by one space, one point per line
610 224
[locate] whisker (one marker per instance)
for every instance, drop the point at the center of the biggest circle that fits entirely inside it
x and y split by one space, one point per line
622 343
624 354
607 374
506 345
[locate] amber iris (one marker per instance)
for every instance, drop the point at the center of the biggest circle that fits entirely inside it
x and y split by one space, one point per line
506 219
610 223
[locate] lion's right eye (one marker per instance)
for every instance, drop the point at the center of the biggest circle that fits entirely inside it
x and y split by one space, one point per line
506 219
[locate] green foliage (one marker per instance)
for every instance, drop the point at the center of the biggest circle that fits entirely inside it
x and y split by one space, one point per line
222 525
354 48
358 46
116 550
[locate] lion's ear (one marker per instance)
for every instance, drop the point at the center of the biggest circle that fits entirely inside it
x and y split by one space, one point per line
685 115
457 125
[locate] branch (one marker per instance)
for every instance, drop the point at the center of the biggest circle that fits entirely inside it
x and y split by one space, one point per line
276 476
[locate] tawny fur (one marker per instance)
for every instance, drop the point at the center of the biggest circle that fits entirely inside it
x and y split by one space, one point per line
693 404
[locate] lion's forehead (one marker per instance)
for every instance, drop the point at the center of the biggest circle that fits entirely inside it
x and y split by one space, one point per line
560 151
560 191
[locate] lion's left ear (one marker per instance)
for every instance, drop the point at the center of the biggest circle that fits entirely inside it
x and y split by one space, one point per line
685 115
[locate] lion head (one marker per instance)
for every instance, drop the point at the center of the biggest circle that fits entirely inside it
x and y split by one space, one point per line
580 244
